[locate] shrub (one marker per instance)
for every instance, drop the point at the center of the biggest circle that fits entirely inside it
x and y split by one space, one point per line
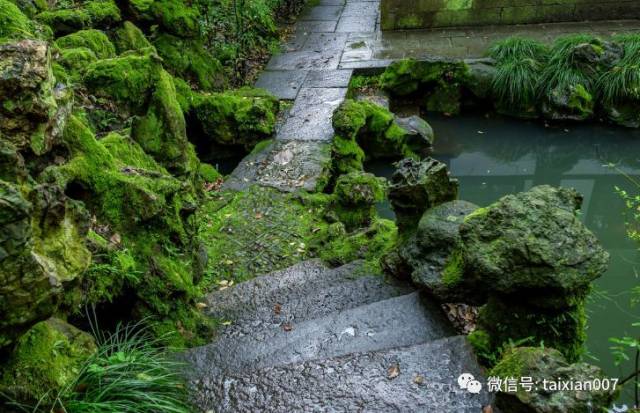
623 80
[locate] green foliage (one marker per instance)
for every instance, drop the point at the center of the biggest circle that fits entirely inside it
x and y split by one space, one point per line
130 37
519 64
622 81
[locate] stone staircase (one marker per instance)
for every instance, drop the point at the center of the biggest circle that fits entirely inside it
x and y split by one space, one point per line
311 338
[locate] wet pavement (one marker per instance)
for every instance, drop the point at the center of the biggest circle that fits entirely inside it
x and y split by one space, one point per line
337 37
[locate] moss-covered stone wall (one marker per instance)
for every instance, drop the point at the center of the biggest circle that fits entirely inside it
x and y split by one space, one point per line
416 14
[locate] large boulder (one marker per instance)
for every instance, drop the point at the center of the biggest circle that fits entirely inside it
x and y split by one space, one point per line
34 108
533 244
542 370
417 186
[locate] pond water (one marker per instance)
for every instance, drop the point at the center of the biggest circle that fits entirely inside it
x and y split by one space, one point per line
493 156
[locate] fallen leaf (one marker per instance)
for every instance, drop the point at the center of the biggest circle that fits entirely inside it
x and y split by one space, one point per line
115 239
277 308
226 323
418 379
287 327
259 215
487 409
201 306
393 372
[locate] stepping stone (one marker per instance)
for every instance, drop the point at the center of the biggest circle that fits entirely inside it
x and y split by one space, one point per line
322 13
419 378
284 84
328 78
284 165
311 115
399 321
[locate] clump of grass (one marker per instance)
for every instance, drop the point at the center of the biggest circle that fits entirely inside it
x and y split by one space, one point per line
564 70
622 81
130 373
519 64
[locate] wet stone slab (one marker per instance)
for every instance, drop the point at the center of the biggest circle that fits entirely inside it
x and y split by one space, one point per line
328 78
318 42
322 13
284 165
361 24
284 84
361 9
305 60
316 26
310 117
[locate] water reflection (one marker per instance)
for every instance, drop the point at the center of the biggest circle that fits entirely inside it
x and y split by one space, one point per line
494 156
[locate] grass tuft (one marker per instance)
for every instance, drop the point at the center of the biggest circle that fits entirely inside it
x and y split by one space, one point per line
130 373
519 64
622 81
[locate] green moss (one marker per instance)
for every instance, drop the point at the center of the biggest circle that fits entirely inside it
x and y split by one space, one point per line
372 128
103 13
94 40
189 59
162 131
47 358
208 173
453 270
347 156
65 21
356 194
258 231
75 62
440 81
13 23
176 17
242 117
130 37
127 79
368 244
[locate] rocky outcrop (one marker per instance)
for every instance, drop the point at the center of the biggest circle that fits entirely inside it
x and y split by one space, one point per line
544 369
416 186
41 251
356 195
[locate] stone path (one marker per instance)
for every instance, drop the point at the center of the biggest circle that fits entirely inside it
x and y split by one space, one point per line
311 338
330 41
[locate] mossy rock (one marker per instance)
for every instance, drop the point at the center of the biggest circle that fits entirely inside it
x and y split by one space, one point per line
546 364
440 81
356 195
130 37
75 61
128 79
45 360
377 132
101 14
94 40
238 118
173 16
162 131
189 59
14 24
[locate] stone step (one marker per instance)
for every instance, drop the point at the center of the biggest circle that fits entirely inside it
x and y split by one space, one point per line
419 378
341 294
399 321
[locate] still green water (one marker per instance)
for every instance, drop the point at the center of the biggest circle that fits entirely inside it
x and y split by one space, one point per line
495 156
